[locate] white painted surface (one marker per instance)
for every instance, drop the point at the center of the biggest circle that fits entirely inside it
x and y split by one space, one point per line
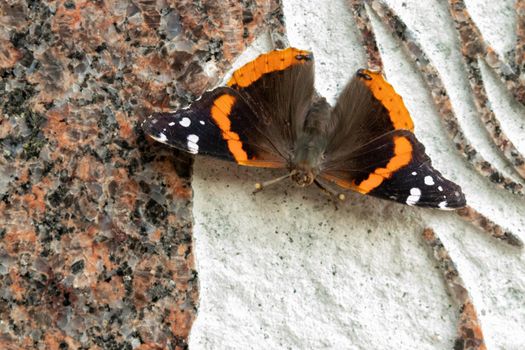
285 270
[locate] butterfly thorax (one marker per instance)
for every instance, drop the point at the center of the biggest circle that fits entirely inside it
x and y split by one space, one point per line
311 144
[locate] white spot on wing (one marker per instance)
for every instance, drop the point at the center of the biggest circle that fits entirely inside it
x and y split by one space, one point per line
429 180
415 195
443 206
193 147
414 173
161 138
201 121
440 188
185 122
193 138
171 123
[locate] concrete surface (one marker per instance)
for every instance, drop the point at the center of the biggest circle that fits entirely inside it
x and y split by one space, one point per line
285 270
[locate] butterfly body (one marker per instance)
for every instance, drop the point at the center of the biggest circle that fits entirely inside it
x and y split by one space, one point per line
309 152
269 115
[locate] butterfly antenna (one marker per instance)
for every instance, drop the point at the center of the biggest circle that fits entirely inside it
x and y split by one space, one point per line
260 186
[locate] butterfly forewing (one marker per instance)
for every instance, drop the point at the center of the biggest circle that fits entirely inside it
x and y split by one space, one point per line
219 124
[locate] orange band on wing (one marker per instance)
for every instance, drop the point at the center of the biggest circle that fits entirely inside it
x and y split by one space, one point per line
385 93
273 61
402 157
220 112
262 164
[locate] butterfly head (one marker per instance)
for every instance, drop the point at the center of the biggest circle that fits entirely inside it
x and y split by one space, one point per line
303 177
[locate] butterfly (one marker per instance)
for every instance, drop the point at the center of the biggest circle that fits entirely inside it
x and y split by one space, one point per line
269 115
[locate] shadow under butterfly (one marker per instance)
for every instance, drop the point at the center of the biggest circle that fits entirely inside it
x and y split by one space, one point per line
270 116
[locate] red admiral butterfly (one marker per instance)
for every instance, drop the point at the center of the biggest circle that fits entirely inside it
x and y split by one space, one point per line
270 116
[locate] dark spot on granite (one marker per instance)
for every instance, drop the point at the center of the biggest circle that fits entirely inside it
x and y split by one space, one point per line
155 212
70 5
101 48
158 291
77 266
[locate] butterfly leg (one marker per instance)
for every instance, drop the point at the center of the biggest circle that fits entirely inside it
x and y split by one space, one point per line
334 194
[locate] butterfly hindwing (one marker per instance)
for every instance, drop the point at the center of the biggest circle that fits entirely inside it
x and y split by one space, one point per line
373 150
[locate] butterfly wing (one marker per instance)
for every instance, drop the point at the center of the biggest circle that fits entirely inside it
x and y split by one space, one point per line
219 124
279 87
373 150
253 121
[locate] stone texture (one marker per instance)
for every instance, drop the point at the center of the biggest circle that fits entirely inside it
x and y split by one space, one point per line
95 221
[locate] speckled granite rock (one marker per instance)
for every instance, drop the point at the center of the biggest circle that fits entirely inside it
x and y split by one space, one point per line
95 221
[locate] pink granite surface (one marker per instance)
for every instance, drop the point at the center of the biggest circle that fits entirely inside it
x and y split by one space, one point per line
95 220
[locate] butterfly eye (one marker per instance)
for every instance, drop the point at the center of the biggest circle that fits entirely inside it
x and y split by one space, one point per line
363 74
307 57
